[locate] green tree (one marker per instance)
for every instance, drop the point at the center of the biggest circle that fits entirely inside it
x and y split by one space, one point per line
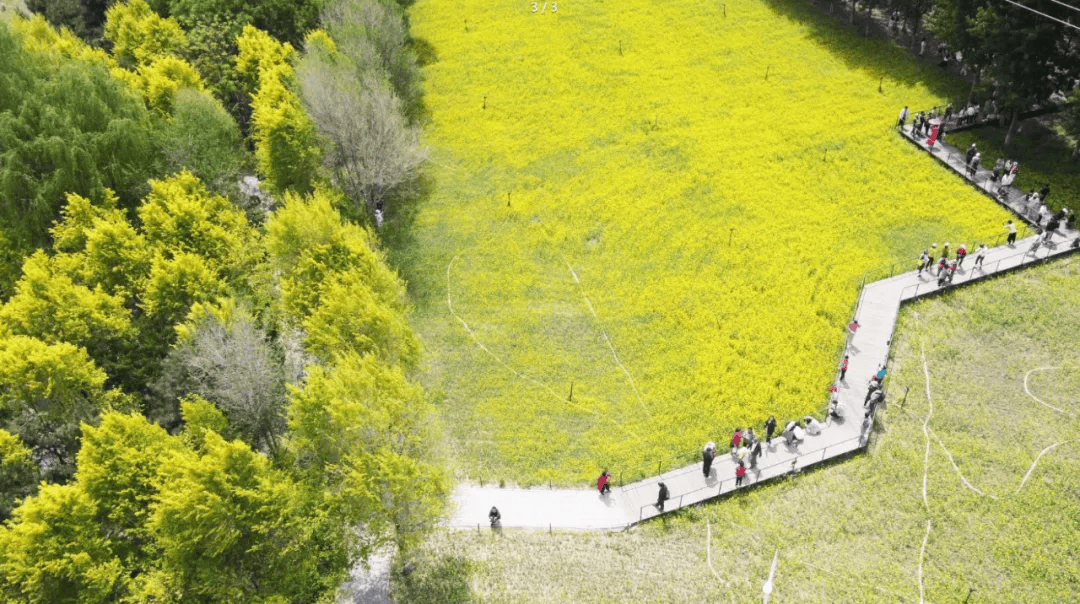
309 243
201 137
18 474
49 305
64 13
362 432
46 391
54 551
286 144
1027 57
350 318
120 468
231 528
212 51
67 127
139 35
1071 123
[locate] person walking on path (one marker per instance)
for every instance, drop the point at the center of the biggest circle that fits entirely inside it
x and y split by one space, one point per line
942 265
961 253
924 260
872 403
1044 213
755 452
980 255
749 438
661 497
770 427
740 473
1011 241
495 518
707 456
843 367
945 250
970 154
903 117
602 483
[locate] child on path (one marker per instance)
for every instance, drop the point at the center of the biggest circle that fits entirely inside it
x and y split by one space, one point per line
1012 233
945 250
770 427
740 473
961 253
736 439
661 497
843 367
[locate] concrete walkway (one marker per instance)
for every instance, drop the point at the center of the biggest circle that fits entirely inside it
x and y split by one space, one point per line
876 314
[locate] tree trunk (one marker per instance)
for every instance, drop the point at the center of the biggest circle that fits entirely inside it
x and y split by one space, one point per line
852 21
1076 148
869 18
1012 127
915 33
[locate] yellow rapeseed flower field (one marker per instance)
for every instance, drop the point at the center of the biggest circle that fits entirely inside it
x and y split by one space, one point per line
623 204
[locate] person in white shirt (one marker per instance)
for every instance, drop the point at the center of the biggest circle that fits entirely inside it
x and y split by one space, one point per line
980 254
813 426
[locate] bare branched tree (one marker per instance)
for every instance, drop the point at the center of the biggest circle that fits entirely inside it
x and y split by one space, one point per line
236 368
371 147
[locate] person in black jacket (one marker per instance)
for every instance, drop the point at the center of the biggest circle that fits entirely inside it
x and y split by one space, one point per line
707 455
770 427
661 497
495 517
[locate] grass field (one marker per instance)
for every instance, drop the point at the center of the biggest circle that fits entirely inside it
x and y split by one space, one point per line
623 204
854 531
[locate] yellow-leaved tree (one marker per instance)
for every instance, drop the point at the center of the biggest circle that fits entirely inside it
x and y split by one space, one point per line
286 143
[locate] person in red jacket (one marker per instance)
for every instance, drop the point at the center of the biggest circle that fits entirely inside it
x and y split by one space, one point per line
740 473
602 483
843 368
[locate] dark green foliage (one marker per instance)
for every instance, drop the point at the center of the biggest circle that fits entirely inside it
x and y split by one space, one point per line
202 137
211 49
68 127
71 14
286 20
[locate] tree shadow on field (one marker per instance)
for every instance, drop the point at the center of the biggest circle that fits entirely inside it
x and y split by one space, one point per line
443 579
870 55
398 235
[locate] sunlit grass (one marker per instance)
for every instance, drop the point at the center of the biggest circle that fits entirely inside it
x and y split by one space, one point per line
851 532
719 222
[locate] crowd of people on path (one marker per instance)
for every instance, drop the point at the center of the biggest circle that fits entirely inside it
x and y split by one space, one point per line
947 266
